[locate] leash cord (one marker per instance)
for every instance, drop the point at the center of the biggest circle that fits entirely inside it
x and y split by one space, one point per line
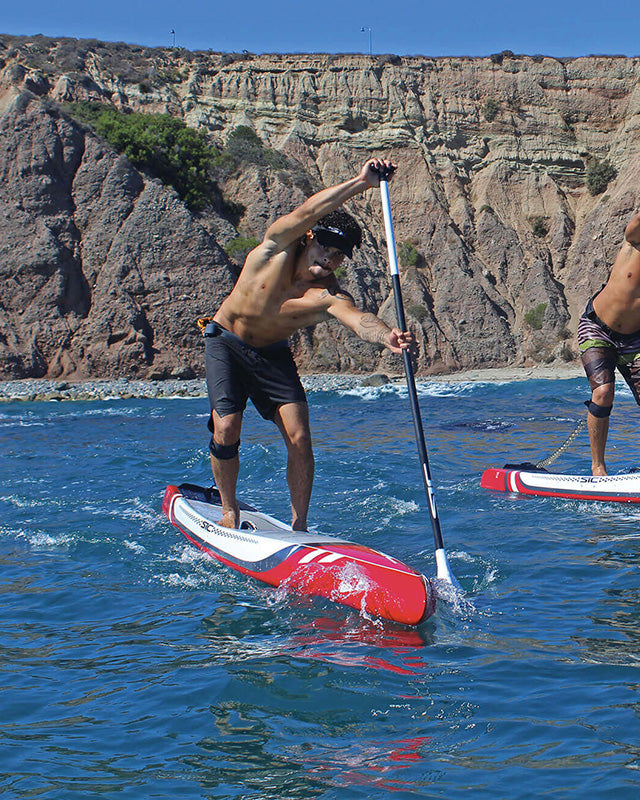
550 459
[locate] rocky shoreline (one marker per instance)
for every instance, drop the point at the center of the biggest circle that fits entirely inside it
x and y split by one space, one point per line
42 389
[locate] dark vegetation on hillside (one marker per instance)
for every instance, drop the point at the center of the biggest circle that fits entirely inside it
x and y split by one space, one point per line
165 147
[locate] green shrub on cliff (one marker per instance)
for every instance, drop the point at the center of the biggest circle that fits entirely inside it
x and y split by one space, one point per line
245 145
181 156
535 316
159 144
85 111
408 256
490 109
166 147
540 226
599 175
238 247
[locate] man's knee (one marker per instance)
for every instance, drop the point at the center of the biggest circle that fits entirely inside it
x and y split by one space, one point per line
299 439
600 412
603 395
223 452
225 441
601 401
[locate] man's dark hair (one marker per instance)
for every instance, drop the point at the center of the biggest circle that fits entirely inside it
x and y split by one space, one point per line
343 222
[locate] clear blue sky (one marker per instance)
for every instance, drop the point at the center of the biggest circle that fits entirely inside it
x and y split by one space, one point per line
403 27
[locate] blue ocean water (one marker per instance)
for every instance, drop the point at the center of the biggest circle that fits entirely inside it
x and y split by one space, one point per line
133 666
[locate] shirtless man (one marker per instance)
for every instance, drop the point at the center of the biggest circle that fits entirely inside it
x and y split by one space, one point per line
286 283
609 337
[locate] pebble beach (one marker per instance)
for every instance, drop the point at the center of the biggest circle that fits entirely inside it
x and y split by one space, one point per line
43 389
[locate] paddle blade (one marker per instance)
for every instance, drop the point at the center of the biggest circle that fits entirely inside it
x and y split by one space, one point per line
443 571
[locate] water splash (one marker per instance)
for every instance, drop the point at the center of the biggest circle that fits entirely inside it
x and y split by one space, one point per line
348 580
454 597
351 581
351 587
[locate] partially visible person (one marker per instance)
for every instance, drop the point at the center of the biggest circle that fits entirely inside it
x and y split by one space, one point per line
287 283
609 338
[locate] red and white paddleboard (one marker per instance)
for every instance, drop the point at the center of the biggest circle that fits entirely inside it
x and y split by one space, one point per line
606 488
304 562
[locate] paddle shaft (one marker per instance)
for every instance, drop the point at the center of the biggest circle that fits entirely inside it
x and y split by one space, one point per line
441 560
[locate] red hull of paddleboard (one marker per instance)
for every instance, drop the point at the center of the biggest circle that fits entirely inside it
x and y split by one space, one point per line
307 563
606 488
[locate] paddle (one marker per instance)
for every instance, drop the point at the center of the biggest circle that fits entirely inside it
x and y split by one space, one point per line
443 571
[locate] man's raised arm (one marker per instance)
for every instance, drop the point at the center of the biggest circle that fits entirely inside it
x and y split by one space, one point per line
293 226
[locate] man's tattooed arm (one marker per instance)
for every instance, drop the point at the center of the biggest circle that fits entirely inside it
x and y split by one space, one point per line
369 327
373 329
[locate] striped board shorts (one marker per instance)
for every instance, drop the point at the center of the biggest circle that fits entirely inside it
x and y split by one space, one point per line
602 350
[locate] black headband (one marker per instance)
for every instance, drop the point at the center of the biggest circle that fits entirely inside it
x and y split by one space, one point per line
333 237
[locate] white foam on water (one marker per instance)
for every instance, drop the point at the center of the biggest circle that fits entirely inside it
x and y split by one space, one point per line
423 389
36 539
141 512
34 502
462 555
135 546
403 507
20 422
443 389
491 576
201 571
191 581
45 541
69 412
131 510
459 486
495 425
368 393
387 509
189 554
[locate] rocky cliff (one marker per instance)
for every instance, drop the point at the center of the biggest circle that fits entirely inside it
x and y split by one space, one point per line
105 270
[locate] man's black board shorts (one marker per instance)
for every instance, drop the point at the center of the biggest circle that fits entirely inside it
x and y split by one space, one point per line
236 372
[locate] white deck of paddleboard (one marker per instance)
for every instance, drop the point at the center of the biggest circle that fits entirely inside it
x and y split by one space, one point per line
628 483
269 537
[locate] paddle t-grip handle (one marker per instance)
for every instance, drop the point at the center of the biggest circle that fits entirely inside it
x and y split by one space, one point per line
384 172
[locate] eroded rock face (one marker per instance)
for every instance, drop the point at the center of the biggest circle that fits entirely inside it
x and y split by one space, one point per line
105 270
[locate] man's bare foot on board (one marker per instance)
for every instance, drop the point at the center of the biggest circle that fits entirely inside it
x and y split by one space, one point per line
230 518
